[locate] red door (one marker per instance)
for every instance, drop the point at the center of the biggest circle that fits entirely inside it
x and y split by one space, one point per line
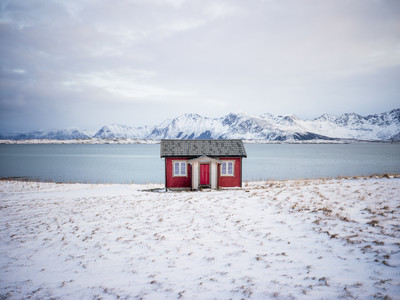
204 174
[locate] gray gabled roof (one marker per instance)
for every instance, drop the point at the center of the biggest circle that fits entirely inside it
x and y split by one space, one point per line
194 148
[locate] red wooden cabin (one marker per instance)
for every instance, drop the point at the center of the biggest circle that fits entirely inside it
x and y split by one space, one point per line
194 164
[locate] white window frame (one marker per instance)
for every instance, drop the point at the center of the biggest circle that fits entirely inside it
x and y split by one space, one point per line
179 173
226 162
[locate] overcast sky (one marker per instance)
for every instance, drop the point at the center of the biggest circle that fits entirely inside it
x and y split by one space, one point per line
89 63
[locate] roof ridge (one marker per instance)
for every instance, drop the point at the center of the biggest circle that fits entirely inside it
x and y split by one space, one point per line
194 148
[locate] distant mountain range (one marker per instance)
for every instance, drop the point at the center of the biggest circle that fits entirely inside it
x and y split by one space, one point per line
377 127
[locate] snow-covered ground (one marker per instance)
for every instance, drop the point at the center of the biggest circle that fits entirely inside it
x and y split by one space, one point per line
283 239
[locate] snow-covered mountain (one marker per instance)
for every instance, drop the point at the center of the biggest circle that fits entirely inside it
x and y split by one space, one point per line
122 131
53 134
383 127
266 127
189 126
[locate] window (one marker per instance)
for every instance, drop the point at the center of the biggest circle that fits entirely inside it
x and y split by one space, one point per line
228 168
179 168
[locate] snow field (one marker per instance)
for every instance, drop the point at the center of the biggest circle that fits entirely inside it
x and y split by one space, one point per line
277 239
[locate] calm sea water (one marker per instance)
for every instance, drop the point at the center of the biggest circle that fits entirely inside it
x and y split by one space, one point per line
142 163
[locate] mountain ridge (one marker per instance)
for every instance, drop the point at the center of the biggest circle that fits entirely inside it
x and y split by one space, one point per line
380 127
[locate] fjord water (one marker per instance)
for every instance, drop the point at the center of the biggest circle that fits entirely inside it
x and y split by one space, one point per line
141 163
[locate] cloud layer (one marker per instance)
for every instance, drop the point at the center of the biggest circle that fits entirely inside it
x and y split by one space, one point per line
92 62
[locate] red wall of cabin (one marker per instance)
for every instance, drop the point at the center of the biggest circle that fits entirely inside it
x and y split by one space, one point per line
177 182
231 181
186 182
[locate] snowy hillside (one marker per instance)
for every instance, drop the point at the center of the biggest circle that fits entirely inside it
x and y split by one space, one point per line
266 127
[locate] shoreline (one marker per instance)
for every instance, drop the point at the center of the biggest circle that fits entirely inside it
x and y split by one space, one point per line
357 177
127 141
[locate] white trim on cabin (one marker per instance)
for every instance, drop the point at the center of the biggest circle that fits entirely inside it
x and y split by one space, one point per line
195 162
227 168
179 168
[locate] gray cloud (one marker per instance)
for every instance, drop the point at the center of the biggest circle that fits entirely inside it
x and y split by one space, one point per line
94 62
